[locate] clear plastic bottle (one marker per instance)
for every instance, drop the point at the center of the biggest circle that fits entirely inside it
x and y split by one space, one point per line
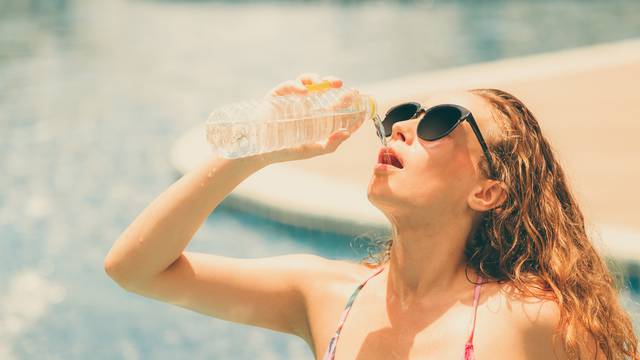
277 122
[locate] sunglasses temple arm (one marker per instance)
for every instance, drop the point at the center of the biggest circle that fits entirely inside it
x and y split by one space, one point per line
485 149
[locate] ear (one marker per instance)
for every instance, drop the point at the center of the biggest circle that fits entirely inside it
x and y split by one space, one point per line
487 195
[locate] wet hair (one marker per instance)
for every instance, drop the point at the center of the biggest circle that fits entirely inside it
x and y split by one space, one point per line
536 239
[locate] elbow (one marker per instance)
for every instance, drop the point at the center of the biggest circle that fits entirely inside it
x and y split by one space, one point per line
110 267
123 276
113 269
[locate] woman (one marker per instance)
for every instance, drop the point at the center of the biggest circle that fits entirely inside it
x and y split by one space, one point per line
488 254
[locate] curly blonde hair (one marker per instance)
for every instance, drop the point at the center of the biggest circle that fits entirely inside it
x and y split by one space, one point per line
536 239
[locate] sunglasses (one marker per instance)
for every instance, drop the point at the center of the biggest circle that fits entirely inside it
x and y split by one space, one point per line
437 122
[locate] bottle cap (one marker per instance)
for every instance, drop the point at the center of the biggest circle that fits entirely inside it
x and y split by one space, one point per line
326 84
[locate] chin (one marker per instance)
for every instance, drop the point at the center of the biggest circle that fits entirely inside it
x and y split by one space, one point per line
381 197
380 184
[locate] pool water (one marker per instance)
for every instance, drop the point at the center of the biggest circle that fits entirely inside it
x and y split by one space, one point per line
93 93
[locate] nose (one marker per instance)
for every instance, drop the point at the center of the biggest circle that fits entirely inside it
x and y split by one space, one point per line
407 129
404 130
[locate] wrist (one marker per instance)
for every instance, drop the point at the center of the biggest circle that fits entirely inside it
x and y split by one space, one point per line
257 161
251 163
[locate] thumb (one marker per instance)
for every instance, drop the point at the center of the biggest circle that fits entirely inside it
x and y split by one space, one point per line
344 134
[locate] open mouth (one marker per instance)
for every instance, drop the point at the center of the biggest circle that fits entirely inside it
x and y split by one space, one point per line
387 156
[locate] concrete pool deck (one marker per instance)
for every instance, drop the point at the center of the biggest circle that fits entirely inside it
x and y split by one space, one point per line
585 100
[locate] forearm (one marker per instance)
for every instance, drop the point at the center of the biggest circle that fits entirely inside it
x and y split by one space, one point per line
159 235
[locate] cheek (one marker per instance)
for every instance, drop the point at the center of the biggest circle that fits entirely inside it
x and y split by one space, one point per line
448 154
430 171
444 165
439 155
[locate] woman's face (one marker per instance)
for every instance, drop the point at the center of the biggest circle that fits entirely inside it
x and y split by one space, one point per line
437 176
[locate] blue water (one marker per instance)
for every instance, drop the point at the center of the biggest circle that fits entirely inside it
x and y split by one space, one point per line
93 93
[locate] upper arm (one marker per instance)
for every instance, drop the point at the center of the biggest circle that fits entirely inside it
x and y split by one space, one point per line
265 292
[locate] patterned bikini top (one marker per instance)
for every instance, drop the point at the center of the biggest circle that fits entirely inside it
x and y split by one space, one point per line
468 348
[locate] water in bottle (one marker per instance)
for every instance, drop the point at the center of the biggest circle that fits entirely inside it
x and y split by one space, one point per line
276 122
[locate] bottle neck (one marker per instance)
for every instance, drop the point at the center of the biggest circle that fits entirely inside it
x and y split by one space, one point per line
371 106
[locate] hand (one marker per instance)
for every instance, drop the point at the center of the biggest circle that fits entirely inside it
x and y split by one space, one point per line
326 146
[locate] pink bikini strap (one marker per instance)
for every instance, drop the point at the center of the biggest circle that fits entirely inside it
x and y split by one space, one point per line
331 350
476 296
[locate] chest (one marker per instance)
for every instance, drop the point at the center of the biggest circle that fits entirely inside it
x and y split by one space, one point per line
375 330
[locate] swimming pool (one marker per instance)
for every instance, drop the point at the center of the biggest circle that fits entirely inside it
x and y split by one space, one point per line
93 94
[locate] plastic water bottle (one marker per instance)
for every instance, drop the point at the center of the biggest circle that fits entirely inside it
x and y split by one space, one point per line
277 122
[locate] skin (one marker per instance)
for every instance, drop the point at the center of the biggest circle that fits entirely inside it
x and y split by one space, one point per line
433 203
419 307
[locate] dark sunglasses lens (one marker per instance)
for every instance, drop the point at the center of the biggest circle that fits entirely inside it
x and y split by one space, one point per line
399 113
438 121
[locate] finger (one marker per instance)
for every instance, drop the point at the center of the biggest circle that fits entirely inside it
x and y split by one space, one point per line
308 78
333 80
335 139
344 100
278 89
357 123
297 87
289 87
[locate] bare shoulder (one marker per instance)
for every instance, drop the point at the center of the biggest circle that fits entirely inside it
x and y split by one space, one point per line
326 287
530 311
334 270
535 322
540 321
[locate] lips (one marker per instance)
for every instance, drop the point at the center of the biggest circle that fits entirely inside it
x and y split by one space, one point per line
389 156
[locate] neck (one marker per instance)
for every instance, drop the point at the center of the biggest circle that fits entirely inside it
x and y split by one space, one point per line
427 261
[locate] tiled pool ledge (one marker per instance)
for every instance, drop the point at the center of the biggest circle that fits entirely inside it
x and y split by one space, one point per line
330 192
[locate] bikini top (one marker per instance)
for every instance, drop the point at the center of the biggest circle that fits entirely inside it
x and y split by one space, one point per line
468 348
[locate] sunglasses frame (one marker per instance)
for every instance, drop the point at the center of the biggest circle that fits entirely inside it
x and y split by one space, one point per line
465 114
